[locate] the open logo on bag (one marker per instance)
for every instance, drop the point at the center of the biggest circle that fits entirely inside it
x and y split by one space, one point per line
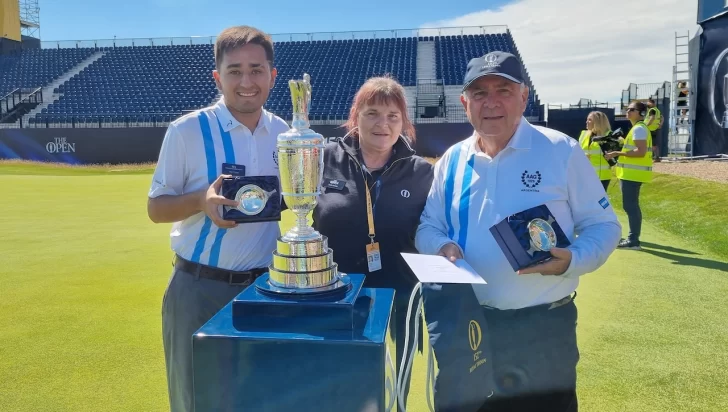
475 338
475 335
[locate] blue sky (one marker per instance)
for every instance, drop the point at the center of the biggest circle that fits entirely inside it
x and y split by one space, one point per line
572 49
94 19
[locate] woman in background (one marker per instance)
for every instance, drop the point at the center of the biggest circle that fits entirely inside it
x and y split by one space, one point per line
375 168
597 124
634 167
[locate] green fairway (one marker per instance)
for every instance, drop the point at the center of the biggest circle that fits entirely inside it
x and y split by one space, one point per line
669 202
83 271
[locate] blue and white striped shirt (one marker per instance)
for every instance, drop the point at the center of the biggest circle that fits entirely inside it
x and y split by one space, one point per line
191 158
471 192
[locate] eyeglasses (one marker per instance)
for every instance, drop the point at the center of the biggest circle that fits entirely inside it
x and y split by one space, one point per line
631 109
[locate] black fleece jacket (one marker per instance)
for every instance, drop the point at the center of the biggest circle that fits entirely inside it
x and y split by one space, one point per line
341 212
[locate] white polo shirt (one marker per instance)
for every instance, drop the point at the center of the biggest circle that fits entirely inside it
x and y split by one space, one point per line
472 192
191 158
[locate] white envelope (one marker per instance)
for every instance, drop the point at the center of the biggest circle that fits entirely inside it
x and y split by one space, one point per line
438 269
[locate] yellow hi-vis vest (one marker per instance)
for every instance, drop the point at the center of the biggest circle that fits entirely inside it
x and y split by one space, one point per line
596 157
656 122
635 169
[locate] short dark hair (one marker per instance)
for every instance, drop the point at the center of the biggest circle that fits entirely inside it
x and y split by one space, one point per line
238 36
640 106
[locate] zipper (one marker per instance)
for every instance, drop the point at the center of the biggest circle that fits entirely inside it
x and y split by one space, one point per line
361 169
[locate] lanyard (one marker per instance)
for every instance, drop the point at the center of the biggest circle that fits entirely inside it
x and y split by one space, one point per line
370 208
374 258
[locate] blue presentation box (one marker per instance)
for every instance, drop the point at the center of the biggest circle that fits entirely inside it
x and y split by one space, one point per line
268 353
513 238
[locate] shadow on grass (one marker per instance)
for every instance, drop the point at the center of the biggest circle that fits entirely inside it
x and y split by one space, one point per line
687 260
668 248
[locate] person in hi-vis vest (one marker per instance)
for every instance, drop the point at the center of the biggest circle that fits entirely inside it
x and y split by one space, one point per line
597 124
653 121
634 167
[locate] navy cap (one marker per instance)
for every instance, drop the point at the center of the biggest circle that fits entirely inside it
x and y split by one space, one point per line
496 63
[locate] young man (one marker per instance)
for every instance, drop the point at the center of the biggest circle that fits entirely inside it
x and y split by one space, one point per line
215 259
530 314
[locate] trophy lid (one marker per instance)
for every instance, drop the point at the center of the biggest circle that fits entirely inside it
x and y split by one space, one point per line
300 132
300 94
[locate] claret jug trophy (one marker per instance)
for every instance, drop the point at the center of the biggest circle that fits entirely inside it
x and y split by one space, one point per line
303 336
302 262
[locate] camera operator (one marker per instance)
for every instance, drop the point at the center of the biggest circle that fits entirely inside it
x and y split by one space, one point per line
634 167
597 124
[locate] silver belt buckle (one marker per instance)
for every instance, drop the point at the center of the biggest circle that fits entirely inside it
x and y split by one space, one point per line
561 302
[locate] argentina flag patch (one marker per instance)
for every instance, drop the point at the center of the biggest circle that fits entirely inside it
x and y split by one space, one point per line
604 203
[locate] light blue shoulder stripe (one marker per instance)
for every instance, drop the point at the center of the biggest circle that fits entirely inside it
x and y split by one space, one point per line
452 168
464 208
211 176
227 144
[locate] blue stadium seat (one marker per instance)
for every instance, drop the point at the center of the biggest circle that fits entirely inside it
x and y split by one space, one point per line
453 53
161 82
36 68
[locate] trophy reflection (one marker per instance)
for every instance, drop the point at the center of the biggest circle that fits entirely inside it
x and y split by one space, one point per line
302 262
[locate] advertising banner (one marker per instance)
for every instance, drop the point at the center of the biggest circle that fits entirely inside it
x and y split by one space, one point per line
142 144
707 9
711 114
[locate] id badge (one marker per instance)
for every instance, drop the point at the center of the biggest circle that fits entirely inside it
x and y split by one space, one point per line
374 259
233 169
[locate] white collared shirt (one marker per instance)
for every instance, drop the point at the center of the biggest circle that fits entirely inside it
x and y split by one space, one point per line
191 157
538 166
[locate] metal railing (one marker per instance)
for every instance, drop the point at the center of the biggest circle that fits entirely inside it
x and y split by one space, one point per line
454 114
35 96
644 91
8 102
279 37
130 120
118 120
17 101
617 106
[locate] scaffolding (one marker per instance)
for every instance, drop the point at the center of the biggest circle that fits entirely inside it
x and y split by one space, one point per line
29 18
680 139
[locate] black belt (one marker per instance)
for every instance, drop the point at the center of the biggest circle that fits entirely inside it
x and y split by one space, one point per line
547 306
208 272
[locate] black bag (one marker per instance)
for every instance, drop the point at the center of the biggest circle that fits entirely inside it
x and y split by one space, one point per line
459 338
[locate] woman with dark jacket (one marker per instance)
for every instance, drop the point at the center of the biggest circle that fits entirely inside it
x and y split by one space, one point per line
376 156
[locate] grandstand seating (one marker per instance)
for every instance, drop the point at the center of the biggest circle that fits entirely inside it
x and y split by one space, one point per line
140 82
338 68
158 83
36 68
454 53
162 81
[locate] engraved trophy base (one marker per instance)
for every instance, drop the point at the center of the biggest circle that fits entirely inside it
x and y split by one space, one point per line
304 267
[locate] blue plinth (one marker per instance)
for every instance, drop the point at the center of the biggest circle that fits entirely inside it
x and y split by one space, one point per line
327 353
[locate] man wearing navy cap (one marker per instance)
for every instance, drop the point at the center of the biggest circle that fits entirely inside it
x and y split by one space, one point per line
507 166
